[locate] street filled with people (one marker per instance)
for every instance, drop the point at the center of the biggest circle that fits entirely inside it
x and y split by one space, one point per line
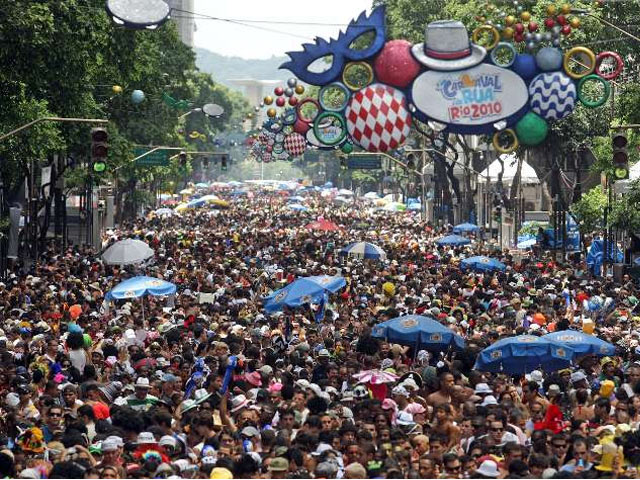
229 376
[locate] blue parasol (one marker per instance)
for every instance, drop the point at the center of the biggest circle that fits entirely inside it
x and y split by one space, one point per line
523 354
582 343
303 291
139 287
466 228
453 240
421 332
482 264
363 250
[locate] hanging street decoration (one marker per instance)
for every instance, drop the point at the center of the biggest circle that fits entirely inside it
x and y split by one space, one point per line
509 79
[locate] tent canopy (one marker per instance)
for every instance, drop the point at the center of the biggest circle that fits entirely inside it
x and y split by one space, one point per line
528 175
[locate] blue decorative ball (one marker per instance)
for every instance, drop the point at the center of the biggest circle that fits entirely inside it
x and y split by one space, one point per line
552 95
137 96
549 59
525 66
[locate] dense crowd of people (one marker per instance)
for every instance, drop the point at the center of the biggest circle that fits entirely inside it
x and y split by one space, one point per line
207 385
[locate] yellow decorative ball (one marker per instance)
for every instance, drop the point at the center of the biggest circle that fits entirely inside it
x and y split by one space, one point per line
249 115
268 100
574 22
510 20
117 89
299 89
525 16
565 9
271 112
507 33
551 10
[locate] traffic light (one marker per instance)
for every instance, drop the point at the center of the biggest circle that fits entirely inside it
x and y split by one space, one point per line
223 163
620 156
99 149
205 163
182 156
343 163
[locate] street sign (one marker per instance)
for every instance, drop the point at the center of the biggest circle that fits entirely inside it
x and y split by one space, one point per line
159 158
362 162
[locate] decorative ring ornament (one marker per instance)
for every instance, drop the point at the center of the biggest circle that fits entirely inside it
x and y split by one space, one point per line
569 56
593 103
351 65
328 88
503 46
619 65
512 137
490 29
304 102
329 118
289 116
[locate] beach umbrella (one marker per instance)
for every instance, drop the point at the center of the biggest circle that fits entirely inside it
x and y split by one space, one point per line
209 198
371 196
526 243
202 185
296 198
582 343
453 240
186 191
219 203
127 252
197 202
164 212
303 291
421 332
296 207
139 287
364 250
523 354
394 207
466 228
375 377
181 207
343 192
323 225
481 263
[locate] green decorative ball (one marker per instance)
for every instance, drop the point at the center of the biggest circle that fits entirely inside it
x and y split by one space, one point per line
347 148
532 129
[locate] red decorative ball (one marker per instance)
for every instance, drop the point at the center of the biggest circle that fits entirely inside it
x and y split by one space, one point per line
301 127
561 19
549 23
533 27
293 101
395 65
566 30
269 148
518 37
278 91
280 101
519 28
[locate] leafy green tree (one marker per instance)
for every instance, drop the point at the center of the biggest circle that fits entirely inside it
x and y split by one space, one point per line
588 211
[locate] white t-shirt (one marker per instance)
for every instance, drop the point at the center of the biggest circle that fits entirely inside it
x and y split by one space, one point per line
78 359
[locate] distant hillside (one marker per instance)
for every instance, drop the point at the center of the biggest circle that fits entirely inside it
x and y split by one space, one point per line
222 68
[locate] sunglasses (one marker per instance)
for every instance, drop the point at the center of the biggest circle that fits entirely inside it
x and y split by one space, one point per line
497 429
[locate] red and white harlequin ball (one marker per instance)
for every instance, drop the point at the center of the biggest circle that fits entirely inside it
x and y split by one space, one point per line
378 118
295 144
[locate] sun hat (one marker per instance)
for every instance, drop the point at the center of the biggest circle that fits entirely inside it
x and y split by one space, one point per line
279 464
488 468
142 382
238 403
221 473
483 388
489 400
145 438
201 395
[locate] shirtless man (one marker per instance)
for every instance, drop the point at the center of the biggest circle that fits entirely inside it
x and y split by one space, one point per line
444 394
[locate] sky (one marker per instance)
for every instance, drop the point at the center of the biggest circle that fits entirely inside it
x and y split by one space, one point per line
232 39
